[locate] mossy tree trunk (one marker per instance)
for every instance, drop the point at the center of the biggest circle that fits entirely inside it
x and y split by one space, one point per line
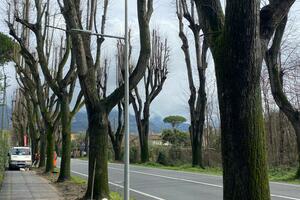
98 129
50 148
42 149
144 129
65 166
237 41
238 67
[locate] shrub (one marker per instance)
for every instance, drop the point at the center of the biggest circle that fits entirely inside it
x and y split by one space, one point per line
162 158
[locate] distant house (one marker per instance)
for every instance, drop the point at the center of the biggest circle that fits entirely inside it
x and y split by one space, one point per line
155 140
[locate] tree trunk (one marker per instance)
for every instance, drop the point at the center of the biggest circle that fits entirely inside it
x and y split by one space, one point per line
298 145
65 165
42 149
98 129
117 151
200 116
238 66
34 140
21 138
144 133
281 138
50 148
197 147
296 125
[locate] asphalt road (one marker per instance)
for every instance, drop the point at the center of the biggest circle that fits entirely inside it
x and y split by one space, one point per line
158 184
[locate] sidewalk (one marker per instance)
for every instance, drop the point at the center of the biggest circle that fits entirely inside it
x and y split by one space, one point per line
26 185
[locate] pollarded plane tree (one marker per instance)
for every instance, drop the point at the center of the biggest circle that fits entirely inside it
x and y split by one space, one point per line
154 79
197 102
99 107
30 70
41 107
32 129
116 133
238 40
19 117
28 92
276 75
60 77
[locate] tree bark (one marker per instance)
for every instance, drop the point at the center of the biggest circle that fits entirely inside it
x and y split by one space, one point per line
117 137
237 42
98 129
144 140
117 151
238 66
50 148
297 130
42 148
65 166
197 148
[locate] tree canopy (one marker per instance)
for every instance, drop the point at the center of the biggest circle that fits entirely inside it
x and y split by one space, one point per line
6 48
174 120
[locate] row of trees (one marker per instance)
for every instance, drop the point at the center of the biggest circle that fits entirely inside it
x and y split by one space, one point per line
239 40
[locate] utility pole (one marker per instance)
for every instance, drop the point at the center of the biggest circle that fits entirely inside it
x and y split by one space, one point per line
126 82
3 106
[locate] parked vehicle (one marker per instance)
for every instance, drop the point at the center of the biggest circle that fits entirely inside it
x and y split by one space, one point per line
19 157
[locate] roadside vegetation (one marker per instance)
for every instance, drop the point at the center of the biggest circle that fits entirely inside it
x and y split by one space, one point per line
3 153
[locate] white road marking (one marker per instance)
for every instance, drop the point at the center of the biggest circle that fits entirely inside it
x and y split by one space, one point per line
196 182
168 177
187 180
183 172
121 186
284 197
200 174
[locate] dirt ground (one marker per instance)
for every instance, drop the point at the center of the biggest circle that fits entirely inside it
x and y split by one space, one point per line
68 190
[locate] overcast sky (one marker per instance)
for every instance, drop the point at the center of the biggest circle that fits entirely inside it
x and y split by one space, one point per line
173 98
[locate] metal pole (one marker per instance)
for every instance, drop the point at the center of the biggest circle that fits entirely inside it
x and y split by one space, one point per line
126 82
3 107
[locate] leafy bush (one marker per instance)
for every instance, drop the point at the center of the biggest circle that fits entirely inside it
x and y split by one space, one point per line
162 158
175 137
6 48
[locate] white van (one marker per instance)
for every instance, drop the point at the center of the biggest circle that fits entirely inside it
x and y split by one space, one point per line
19 157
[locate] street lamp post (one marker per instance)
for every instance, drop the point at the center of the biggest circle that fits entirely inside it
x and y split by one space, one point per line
126 82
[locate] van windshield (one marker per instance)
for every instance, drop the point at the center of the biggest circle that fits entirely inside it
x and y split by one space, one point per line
20 152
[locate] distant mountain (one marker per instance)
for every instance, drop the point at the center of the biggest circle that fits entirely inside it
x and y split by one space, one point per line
80 123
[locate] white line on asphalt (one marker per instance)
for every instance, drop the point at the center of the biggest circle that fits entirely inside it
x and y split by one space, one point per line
196 182
183 172
121 186
139 192
284 197
168 177
200 174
